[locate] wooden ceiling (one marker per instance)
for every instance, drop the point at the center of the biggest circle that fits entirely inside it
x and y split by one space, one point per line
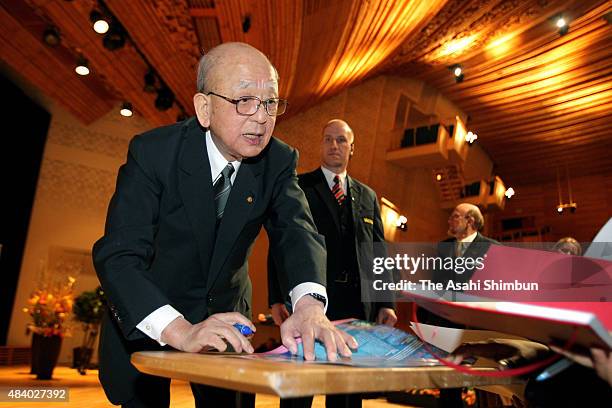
536 99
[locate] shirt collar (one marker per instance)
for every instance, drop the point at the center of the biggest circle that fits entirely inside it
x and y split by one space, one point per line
469 238
329 177
217 161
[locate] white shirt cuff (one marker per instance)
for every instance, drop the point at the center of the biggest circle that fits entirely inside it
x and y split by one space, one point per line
305 288
154 324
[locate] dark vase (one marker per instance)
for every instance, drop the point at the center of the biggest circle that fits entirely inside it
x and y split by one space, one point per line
34 353
45 352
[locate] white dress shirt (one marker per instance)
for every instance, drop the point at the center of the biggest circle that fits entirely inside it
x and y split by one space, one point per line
154 324
329 177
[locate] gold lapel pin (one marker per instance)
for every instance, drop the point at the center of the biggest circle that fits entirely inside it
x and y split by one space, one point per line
250 199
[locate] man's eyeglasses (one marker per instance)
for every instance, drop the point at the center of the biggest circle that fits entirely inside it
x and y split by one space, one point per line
249 105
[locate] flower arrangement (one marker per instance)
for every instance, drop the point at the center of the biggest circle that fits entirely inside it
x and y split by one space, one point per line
50 308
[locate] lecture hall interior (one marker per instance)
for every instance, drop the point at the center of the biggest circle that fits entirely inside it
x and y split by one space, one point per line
504 104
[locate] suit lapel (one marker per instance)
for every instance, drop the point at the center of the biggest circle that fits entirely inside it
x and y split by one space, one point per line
195 188
237 210
324 192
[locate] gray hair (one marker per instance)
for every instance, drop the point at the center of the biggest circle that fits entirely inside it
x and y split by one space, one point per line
210 60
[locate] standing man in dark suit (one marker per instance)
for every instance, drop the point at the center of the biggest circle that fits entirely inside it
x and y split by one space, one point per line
347 213
466 241
464 224
189 203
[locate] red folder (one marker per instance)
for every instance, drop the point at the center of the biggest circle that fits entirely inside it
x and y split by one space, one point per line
573 325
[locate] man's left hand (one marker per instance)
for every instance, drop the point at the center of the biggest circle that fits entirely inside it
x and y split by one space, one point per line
386 316
309 322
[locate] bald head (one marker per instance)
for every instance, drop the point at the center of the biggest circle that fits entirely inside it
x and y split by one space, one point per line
337 145
213 63
465 220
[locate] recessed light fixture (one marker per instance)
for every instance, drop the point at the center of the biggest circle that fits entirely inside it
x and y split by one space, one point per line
100 24
509 192
457 72
126 110
51 36
82 67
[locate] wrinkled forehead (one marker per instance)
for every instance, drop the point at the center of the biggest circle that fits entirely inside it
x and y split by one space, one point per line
266 84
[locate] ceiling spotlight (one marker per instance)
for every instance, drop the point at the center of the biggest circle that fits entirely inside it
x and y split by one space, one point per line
471 137
114 39
562 25
457 72
561 22
149 82
246 23
126 110
100 25
439 177
509 192
560 209
51 36
82 67
165 99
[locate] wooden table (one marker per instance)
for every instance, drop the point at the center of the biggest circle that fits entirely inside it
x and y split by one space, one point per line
298 379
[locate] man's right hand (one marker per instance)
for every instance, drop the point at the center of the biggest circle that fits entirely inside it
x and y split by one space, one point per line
212 333
279 313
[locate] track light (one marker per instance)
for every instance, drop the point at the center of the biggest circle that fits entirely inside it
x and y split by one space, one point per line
82 67
165 99
100 24
457 72
114 39
51 36
562 25
126 110
149 82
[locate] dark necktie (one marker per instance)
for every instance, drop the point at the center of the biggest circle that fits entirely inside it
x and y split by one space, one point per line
222 188
337 191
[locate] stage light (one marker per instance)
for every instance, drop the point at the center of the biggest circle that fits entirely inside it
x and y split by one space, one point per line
100 24
51 36
149 80
457 72
114 39
561 22
126 110
164 100
82 67
509 192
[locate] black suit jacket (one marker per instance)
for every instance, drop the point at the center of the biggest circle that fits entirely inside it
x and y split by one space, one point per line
367 226
161 246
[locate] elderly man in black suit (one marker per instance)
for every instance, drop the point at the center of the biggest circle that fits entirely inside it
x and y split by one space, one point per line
347 213
189 203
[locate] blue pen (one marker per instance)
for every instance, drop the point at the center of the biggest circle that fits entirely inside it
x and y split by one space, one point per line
554 369
243 329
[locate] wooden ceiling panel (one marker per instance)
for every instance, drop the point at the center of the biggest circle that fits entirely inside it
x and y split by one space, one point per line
49 69
537 100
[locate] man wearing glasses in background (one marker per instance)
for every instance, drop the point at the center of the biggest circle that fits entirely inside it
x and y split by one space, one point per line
189 203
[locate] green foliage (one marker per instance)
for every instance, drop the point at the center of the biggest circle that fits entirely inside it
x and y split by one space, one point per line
89 306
